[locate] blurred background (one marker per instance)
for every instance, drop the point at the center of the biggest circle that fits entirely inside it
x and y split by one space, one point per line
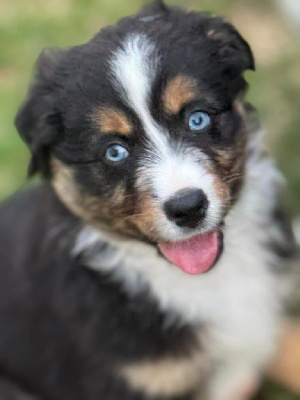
272 27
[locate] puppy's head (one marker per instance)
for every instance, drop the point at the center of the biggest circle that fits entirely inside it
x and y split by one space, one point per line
140 129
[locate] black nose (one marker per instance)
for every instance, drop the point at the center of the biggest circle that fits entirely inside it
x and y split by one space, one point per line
187 208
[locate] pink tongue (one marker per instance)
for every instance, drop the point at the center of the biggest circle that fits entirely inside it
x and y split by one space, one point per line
195 255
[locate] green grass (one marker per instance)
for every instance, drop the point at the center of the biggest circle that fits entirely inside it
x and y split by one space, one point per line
26 27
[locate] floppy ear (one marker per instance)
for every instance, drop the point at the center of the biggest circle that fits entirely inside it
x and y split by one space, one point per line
39 120
233 50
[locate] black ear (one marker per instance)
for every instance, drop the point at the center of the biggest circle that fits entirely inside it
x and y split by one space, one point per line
39 120
234 52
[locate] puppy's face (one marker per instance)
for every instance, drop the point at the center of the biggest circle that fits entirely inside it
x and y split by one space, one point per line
140 129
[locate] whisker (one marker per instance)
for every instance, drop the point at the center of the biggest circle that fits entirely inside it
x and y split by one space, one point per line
129 217
231 178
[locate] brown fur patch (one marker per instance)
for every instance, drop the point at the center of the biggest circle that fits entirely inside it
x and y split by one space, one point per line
118 213
111 120
179 91
231 161
148 215
222 191
105 212
166 376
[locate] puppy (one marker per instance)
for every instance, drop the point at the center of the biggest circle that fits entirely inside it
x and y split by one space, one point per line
150 262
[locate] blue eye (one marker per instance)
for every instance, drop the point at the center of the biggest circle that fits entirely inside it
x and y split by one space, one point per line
199 120
116 153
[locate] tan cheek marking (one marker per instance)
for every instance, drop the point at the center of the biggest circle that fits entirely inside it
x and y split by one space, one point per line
231 161
147 216
68 191
89 208
231 168
166 376
111 120
102 213
222 190
179 91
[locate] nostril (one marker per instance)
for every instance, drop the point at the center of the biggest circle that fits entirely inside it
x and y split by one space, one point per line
187 207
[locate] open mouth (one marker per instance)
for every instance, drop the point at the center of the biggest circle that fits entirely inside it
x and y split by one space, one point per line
196 255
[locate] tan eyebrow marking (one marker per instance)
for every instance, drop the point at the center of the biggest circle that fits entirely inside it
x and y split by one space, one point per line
112 120
179 91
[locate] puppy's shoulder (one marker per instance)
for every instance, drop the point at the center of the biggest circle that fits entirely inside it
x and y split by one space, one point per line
29 200
30 222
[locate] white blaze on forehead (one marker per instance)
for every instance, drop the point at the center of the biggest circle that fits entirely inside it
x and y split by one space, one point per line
134 66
